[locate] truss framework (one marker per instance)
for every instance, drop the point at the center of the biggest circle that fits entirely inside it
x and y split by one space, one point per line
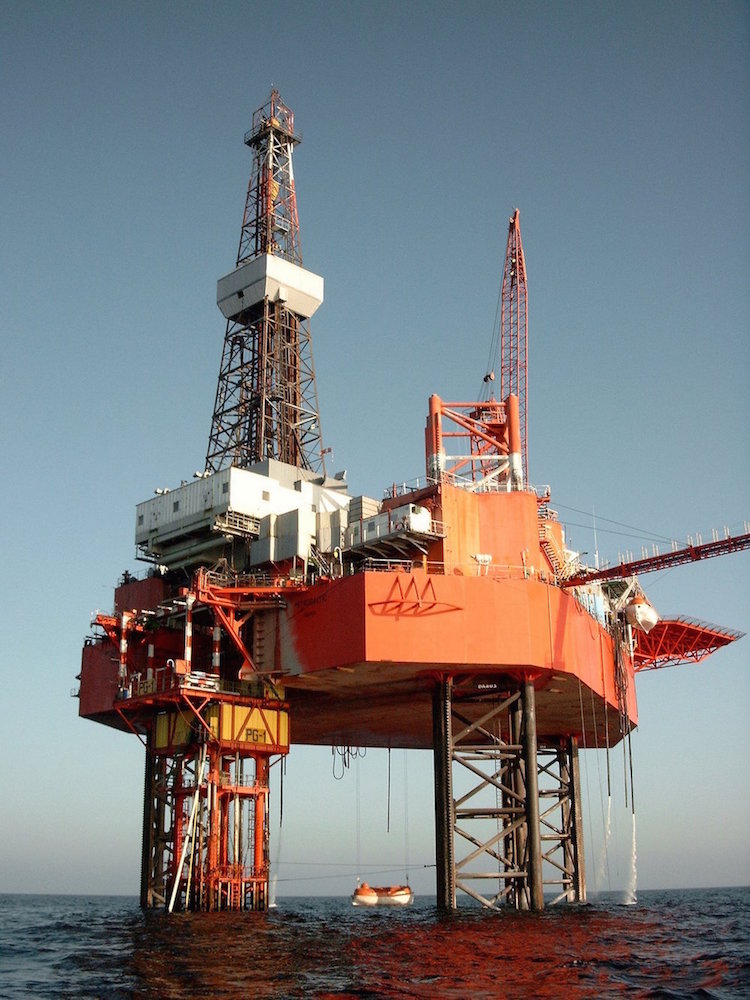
675 641
508 813
266 402
205 829
665 560
266 399
209 744
474 444
270 223
514 329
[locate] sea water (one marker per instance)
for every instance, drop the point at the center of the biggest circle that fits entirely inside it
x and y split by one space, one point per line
671 944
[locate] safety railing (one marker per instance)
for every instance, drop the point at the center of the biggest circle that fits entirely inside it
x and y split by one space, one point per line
248 581
463 482
499 571
164 680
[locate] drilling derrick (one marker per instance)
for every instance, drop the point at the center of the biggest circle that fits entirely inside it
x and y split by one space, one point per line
266 399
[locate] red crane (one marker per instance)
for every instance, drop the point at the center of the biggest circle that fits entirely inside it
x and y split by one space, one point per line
664 560
513 334
513 330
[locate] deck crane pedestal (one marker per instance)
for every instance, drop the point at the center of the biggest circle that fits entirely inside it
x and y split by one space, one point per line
280 608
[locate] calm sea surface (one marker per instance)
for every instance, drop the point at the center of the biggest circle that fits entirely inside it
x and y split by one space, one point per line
669 944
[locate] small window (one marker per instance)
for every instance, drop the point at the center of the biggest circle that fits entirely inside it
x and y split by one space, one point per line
140 519
175 506
225 487
266 495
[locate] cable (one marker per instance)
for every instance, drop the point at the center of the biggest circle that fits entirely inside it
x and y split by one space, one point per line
621 524
349 874
484 390
388 796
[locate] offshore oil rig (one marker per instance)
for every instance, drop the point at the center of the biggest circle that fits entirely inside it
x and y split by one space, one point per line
450 615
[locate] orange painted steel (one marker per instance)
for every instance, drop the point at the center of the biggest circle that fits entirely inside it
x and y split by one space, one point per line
676 641
485 600
141 676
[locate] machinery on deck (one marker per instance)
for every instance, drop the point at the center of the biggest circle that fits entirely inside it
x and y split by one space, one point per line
280 608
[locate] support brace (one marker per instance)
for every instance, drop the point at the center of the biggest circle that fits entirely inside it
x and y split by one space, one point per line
517 828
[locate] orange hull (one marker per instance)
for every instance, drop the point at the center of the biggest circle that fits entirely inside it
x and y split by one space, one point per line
358 655
383 895
380 639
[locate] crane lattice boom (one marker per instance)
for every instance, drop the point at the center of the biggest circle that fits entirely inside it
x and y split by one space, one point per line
513 330
665 560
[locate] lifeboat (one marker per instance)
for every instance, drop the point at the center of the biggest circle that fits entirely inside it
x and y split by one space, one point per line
640 614
382 895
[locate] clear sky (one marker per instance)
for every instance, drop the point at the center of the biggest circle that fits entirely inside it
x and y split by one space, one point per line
622 133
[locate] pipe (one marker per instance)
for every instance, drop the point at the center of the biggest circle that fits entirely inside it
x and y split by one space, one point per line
189 632
123 668
261 784
513 419
435 453
189 837
216 652
579 883
536 892
441 756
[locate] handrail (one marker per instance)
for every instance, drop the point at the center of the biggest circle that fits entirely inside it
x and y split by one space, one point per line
541 492
493 570
165 681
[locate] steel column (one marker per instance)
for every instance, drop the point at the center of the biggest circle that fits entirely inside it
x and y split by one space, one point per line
579 866
534 844
442 763
518 838
147 840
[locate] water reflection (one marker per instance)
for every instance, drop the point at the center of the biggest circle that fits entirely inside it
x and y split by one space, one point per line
677 944
326 948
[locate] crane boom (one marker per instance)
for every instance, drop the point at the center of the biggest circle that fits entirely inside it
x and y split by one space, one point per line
665 560
513 330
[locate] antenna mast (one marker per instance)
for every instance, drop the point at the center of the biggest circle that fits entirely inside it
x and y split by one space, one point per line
266 399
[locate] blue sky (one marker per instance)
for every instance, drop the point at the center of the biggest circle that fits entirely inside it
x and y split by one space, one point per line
622 133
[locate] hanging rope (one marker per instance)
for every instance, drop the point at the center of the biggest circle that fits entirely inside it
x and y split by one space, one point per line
485 390
630 761
342 758
584 743
357 819
406 814
282 772
388 796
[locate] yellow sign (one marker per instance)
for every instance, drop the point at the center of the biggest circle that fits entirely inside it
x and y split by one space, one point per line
244 725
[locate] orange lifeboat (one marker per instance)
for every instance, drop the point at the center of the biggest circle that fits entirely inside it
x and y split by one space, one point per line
641 614
382 895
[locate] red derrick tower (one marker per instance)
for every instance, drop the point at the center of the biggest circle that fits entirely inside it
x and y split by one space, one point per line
266 399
